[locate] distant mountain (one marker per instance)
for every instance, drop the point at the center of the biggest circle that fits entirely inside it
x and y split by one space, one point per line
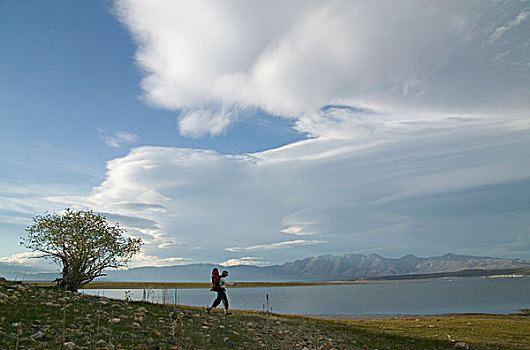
321 268
23 273
196 273
353 266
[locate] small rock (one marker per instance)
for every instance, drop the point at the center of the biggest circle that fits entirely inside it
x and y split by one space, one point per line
101 343
461 345
135 325
69 345
156 333
115 320
37 335
141 309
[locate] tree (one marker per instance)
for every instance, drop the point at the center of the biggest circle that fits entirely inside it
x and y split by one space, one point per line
82 242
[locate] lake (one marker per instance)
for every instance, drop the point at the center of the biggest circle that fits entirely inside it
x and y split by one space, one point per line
418 297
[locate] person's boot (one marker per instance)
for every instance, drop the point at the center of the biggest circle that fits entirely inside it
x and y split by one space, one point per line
208 309
227 313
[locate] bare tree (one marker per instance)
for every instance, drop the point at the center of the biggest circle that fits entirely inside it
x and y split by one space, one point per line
82 242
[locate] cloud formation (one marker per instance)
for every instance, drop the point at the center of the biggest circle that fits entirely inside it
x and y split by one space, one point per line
422 190
119 138
277 245
416 116
211 60
142 259
248 260
20 258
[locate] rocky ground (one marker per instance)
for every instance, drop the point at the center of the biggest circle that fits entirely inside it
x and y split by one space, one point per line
47 318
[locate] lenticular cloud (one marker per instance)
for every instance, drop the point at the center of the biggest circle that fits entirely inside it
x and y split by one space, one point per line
416 115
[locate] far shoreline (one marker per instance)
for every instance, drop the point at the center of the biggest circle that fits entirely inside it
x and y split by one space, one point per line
205 285
361 317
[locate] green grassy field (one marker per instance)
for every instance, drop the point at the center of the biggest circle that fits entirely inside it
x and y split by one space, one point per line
47 318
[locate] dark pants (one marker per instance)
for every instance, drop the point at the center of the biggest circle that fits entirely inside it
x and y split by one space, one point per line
221 296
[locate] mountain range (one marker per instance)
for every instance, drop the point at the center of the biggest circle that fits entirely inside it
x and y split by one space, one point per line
318 268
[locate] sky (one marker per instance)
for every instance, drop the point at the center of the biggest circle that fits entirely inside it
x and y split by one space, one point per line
260 132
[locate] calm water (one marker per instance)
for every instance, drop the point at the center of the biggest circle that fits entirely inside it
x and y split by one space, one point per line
424 297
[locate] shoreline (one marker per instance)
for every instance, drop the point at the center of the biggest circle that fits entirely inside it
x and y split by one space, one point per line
207 285
364 317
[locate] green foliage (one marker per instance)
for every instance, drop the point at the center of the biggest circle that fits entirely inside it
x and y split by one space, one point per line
82 242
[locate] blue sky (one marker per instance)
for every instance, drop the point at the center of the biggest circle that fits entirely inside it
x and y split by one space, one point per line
233 132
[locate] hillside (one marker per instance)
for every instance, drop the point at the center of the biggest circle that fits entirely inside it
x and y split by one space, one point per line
48 318
353 266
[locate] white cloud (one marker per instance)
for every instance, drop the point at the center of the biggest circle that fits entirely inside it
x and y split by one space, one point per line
119 138
23 201
299 229
249 260
354 194
25 258
277 245
199 123
210 60
499 32
141 259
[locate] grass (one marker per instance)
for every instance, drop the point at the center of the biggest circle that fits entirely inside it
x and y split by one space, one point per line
47 318
480 330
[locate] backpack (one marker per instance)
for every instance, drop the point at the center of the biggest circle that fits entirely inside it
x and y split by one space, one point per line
216 280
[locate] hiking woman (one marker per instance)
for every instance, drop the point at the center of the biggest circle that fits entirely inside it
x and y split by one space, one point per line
218 284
